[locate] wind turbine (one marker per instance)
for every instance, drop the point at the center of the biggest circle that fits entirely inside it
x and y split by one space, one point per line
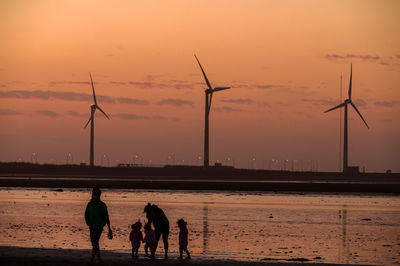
209 93
344 104
93 108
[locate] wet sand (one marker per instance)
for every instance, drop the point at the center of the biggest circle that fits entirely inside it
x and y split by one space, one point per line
240 226
16 256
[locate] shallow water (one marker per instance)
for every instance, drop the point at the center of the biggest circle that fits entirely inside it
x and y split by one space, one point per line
335 228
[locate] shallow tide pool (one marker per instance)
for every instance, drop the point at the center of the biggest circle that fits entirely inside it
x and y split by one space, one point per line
334 228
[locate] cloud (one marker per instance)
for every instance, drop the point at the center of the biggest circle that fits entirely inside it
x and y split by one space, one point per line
53 83
68 96
129 116
150 84
124 116
76 114
360 103
265 104
385 61
158 117
45 95
173 83
138 117
48 113
268 86
302 90
386 103
227 109
237 101
182 86
132 101
333 56
329 102
11 83
9 112
175 102
363 57
177 81
352 56
117 83
237 84
333 103
143 85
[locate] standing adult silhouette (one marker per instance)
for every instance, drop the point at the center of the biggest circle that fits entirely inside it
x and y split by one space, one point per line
96 216
157 217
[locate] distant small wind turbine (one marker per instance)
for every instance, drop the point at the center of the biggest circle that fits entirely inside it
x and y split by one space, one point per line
93 108
209 93
345 103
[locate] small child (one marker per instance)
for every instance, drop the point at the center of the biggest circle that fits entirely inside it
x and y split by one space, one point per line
150 240
183 238
135 237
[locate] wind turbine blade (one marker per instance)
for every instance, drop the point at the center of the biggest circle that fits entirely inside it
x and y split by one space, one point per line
336 107
94 95
204 74
351 78
88 122
102 111
221 88
358 112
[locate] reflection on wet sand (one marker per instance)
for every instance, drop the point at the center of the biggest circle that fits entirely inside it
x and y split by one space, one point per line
241 226
343 251
205 227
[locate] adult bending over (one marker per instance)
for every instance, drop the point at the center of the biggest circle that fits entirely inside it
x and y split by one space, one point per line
161 224
96 216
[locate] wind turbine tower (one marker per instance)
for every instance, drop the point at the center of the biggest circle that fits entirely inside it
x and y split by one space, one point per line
344 104
208 93
93 108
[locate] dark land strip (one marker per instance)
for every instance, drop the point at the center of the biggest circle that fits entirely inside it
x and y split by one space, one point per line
194 178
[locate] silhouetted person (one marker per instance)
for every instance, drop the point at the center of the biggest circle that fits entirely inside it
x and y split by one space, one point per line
150 240
136 237
161 224
183 238
96 216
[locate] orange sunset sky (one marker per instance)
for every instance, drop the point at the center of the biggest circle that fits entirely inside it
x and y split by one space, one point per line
283 60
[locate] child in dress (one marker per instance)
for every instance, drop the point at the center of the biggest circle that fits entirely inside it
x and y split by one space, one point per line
183 238
150 240
136 237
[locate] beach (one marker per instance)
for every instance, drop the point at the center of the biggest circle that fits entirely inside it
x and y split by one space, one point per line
15 256
237 226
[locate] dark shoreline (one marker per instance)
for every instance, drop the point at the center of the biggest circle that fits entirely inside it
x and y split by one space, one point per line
194 178
221 185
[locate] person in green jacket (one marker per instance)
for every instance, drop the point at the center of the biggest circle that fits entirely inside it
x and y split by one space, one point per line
96 216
